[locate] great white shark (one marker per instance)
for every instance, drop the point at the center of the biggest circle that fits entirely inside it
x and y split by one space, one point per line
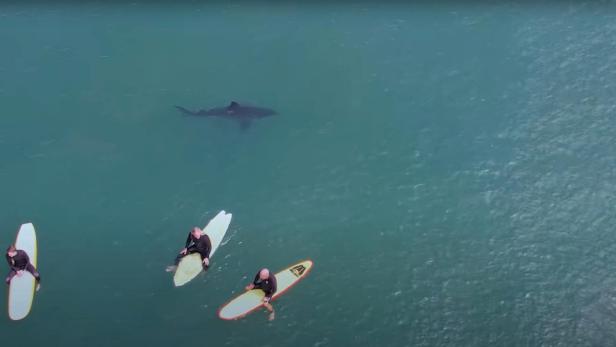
243 114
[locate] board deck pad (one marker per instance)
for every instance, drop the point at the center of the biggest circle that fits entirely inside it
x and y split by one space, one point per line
251 300
190 265
22 288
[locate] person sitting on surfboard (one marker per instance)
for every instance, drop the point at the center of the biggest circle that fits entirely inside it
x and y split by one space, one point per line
267 283
196 242
19 261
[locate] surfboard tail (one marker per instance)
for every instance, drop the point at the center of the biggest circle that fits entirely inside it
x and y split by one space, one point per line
185 111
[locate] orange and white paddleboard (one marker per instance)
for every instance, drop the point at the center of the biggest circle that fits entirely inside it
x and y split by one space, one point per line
251 300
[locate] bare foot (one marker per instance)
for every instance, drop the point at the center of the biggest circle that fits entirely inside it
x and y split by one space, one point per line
171 268
271 316
38 287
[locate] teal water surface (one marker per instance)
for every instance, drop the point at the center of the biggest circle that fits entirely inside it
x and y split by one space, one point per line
449 169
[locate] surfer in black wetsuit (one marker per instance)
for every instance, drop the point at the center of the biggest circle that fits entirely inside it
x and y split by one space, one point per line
196 242
267 283
19 261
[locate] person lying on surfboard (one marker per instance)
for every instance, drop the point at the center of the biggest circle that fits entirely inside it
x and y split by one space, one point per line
267 283
19 262
196 242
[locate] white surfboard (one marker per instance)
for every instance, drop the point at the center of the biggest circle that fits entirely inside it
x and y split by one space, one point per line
22 288
190 266
251 300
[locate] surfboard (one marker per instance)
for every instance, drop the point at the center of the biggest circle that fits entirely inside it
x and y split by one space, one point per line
22 288
251 300
190 266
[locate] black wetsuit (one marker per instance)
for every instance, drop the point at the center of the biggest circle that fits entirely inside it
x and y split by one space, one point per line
19 262
268 286
202 245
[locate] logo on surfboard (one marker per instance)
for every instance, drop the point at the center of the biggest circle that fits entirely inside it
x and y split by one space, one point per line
298 270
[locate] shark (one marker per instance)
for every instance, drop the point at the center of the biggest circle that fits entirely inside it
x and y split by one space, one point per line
241 113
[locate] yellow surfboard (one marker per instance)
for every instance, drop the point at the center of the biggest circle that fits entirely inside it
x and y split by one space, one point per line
22 287
251 300
190 265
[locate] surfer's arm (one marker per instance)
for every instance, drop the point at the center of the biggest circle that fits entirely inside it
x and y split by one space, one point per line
188 240
11 262
271 290
208 247
274 285
255 282
268 296
204 259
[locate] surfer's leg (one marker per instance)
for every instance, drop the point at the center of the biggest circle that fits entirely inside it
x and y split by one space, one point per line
31 269
10 276
177 259
189 250
270 308
192 249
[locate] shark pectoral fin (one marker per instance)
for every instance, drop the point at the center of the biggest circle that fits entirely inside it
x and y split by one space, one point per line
245 124
185 111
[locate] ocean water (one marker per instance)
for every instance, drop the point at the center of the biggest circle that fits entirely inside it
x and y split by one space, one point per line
450 170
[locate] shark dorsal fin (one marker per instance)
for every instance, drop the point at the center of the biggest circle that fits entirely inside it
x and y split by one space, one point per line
233 105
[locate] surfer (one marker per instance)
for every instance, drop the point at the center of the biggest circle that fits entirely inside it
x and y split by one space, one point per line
196 242
267 283
19 261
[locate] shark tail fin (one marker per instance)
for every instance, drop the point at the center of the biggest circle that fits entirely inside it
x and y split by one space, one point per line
185 111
